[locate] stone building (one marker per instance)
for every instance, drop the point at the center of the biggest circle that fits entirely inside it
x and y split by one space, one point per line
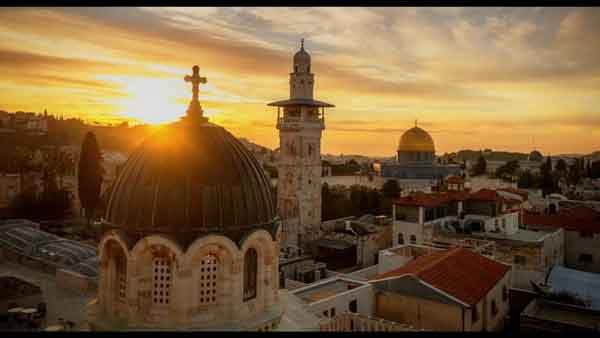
491 215
352 242
193 235
300 121
581 226
416 159
449 290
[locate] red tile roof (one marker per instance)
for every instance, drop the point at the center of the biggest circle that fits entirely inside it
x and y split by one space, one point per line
431 200
461 273
520 192
485 195
455 180
578 218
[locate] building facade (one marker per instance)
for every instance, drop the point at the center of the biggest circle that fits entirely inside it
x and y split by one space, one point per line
416 159
490 215
581 227
192 235
300 121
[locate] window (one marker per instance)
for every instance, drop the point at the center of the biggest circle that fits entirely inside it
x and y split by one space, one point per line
474 315
494 308
504 293
250 275
209 268
400 239
413 239
353 306
121 269
326 313
520 260
162 280
332 312
585 258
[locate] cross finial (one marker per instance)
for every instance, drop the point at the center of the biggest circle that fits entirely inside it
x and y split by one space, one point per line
416 123
302 44
194 107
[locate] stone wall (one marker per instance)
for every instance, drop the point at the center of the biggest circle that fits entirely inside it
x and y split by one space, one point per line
576 244
73 281
420 313
353 322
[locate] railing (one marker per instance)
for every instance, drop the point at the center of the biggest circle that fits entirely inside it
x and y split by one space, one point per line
354 322
291 122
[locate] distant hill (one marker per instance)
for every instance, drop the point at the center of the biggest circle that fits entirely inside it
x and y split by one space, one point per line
472 155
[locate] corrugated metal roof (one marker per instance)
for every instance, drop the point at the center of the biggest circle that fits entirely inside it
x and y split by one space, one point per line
584 285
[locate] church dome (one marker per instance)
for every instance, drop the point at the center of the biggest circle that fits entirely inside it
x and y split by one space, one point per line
190 179
416 140
535 156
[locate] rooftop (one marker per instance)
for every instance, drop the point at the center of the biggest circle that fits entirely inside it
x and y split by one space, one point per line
520 235
318 291
577 218
12 288
461 273
20 237
336 244
584 285
556 312
432 200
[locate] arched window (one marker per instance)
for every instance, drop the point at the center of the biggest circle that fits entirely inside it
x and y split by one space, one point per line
161 283
413 239
209 268
400 238
121 275
250 274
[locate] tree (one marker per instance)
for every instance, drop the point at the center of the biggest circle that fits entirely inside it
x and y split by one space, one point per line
391 189
479 167
548 182
90 175
595 169
574 174
508 170
561 166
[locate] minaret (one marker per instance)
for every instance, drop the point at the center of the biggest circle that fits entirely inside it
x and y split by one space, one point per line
300 121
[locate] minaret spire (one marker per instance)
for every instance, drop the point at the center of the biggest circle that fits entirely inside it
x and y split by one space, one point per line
302 44
194 109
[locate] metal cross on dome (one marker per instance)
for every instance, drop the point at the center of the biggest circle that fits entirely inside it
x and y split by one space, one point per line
196 80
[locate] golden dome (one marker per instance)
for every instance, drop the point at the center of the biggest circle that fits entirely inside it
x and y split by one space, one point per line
416 140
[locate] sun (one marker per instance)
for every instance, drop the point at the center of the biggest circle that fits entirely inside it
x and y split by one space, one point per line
151 100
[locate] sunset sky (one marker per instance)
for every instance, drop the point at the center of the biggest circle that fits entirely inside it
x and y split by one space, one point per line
475 78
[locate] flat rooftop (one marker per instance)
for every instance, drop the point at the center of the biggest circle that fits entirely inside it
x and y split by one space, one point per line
521 235
13 288
60 302
570 315
321 291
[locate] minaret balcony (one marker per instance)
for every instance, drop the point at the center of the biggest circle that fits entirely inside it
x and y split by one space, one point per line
294 123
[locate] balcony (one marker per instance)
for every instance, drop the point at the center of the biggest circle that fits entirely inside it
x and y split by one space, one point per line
294 123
